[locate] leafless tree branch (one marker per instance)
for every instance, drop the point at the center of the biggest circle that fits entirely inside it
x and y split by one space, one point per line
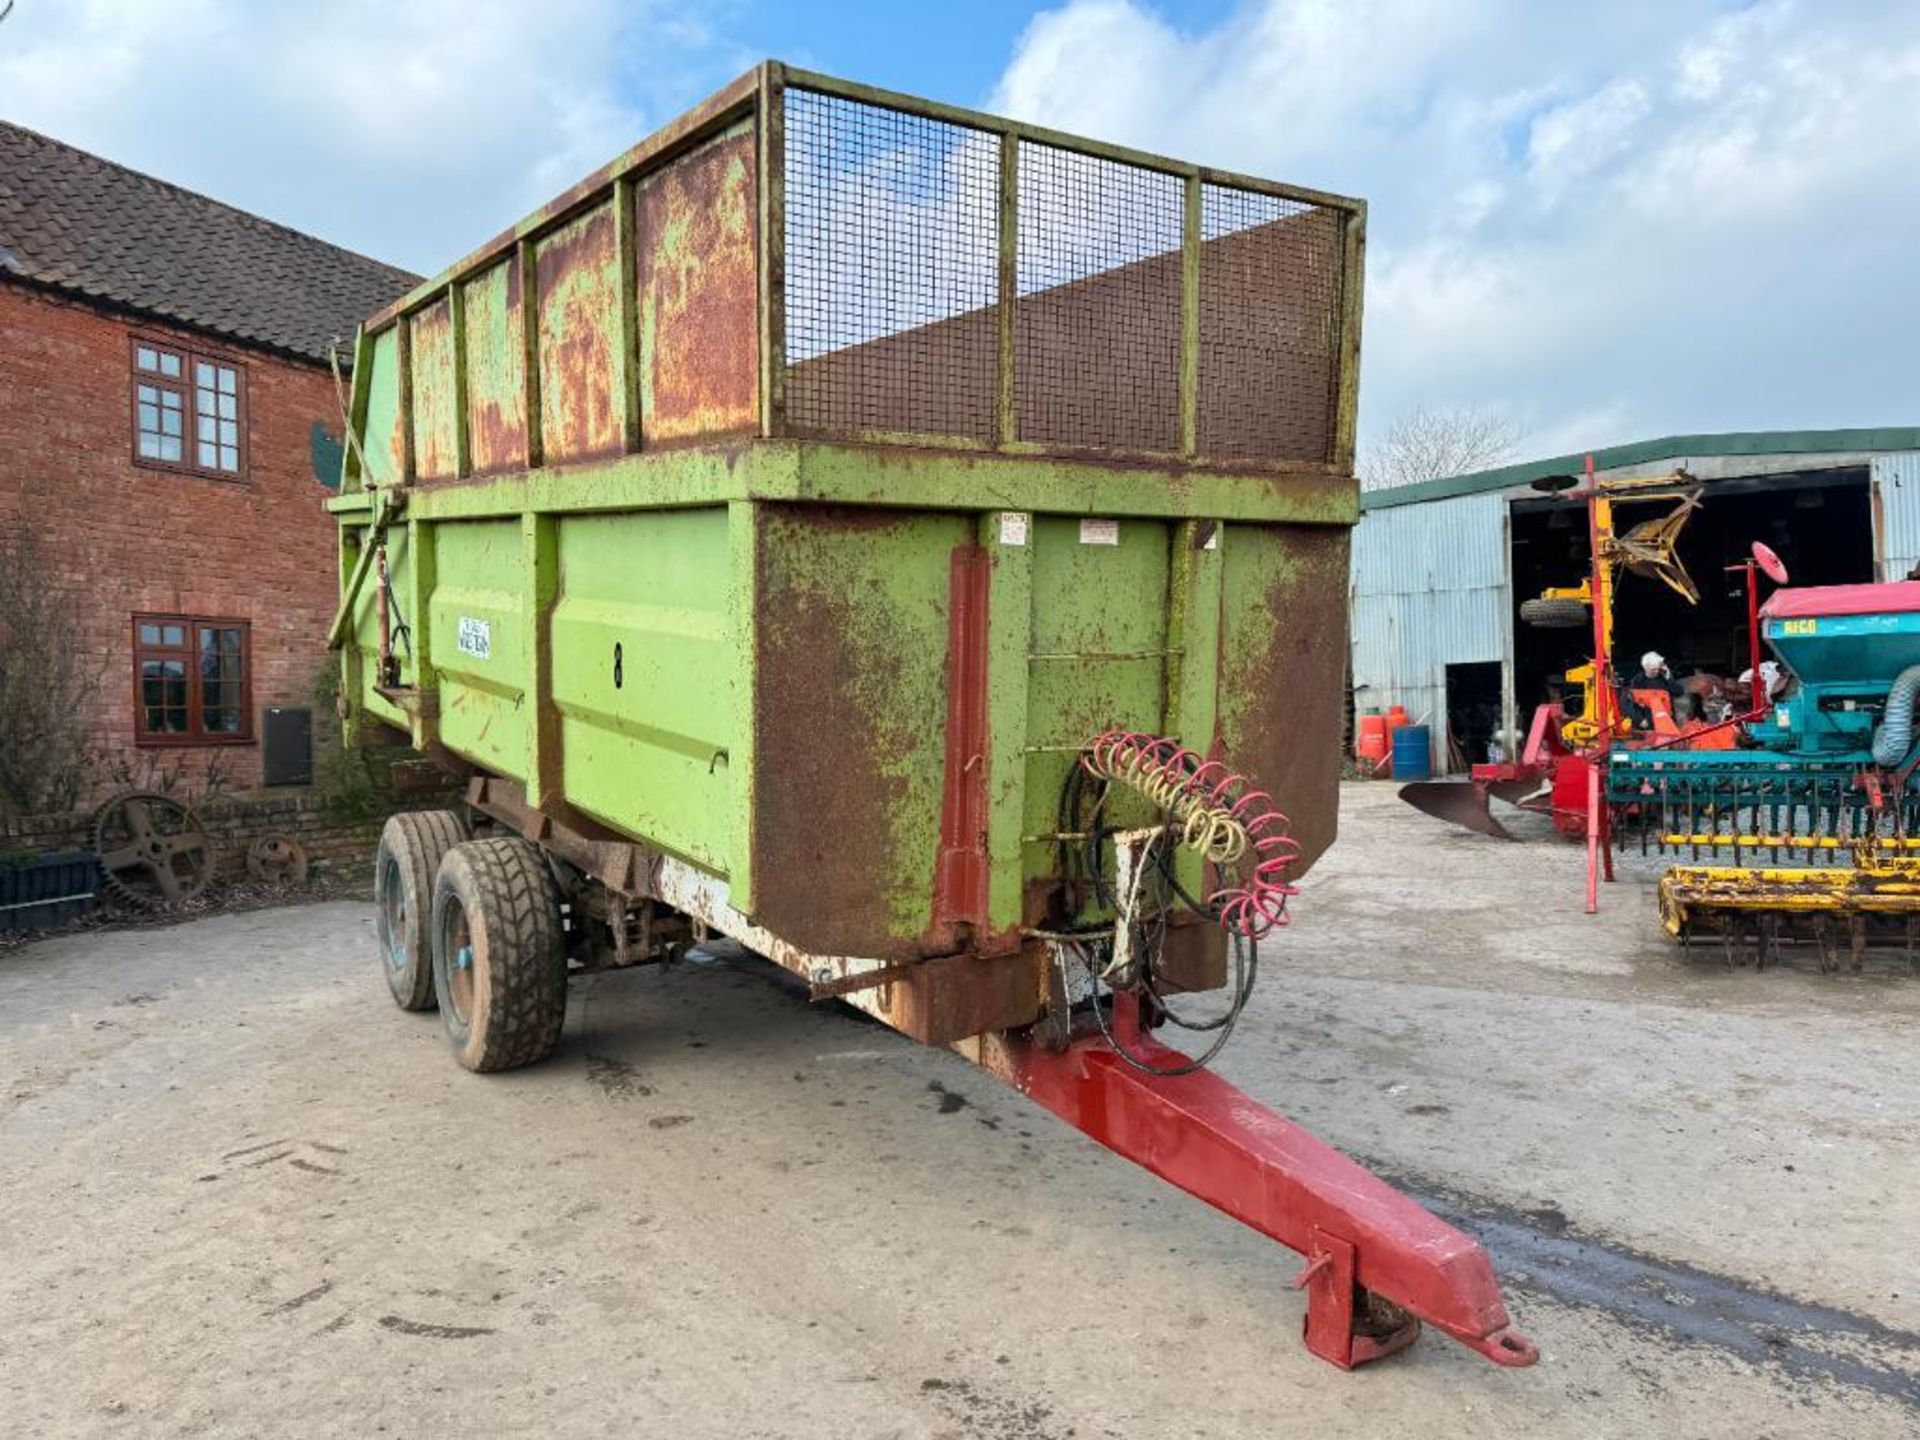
48 681
1426 444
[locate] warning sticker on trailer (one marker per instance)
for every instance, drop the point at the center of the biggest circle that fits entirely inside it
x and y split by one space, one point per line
475 638
1099 532
1013 527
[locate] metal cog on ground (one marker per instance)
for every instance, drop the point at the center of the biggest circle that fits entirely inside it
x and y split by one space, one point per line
153 850
277 859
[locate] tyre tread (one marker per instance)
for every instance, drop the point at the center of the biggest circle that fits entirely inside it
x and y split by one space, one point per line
419 840
513 891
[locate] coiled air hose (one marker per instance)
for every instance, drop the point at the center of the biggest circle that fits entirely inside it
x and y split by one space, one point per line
1895 736
1217 813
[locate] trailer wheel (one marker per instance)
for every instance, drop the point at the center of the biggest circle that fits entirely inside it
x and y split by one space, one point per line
499 953
403 869
1556 614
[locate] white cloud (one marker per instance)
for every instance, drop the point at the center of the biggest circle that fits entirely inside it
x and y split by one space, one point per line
1668 216
411 131
1577 138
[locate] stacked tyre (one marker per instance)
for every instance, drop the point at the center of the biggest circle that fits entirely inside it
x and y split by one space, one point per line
474 928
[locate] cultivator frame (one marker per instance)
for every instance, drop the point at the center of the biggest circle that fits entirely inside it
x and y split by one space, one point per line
1840 909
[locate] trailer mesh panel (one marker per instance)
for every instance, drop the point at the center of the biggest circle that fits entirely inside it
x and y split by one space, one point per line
1097 323
892 239
1270 312
892 297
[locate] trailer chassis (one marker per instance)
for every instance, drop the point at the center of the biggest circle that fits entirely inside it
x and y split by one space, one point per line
1378 1264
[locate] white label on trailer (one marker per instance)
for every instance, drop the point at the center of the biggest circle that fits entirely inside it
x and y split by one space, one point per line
1213 539
1013 527
1099 532
475 638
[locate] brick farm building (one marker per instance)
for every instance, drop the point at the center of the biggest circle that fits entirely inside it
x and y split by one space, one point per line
169 433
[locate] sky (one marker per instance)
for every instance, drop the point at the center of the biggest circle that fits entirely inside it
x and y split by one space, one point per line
1606 222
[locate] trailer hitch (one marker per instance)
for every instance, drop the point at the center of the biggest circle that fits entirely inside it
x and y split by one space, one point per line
1378 1264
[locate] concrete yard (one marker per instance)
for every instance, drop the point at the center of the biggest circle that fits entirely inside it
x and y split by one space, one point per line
245 1195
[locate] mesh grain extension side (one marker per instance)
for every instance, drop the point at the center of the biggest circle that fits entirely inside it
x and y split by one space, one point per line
892 245
1097 323
898 281
1271 292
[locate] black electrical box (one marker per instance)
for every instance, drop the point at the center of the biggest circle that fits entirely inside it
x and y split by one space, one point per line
286 740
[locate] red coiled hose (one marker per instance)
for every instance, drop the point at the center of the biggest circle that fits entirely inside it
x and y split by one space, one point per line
1220 814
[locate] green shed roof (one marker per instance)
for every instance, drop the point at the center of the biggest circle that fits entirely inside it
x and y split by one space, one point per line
1644 452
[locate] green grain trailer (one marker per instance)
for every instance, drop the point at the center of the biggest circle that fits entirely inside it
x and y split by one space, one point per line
768 526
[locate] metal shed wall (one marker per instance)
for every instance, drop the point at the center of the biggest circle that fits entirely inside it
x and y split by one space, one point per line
1430 588
1896 508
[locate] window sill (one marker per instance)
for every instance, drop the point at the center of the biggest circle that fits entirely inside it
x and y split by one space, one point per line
185 472
190 742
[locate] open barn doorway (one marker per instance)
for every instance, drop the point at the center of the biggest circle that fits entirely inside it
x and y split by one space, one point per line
1819 522
1473 714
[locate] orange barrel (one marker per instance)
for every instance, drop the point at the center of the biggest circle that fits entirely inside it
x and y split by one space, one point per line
1370 746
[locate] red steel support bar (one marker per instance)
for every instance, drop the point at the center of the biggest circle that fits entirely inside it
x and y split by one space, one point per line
1359 1234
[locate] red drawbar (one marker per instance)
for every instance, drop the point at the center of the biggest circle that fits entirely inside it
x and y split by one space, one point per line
1361 1237
1813 601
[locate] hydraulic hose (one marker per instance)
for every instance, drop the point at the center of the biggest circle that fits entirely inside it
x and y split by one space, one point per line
1217 812
1895 736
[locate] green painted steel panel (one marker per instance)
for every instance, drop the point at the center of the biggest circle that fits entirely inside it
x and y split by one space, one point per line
643 675
1097 655
382 444
476 618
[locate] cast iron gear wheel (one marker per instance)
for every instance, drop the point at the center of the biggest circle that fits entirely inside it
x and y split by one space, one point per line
153 851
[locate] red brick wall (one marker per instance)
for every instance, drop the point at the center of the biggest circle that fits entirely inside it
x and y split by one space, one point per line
132 539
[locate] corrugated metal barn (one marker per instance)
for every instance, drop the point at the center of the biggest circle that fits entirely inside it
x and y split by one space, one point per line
1440 568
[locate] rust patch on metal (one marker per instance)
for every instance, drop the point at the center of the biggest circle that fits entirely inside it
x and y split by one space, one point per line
434 400
712 112
847 724
823 809
577 277
699 297
956 996
1283 674
936 1001
496 370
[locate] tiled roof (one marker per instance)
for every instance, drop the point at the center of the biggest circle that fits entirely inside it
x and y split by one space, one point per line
78 223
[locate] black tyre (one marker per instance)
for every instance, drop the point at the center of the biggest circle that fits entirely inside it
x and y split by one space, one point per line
1556 614
411 847
499 954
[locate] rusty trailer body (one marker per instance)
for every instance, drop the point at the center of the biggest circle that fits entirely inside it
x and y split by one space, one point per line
769 523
